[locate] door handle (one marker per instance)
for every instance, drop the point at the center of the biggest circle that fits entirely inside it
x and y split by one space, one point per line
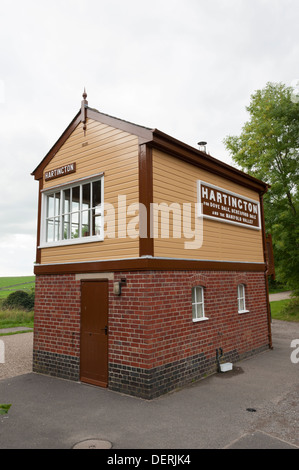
105 329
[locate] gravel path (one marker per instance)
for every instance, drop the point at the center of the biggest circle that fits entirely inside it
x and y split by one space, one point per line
17 355
280 296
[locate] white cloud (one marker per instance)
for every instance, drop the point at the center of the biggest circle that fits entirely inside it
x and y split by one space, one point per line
17 255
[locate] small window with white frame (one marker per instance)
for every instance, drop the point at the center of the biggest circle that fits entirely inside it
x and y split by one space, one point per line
73 213
198 307
241 299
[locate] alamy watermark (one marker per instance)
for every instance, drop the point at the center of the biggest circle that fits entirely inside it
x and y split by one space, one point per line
295 354
2 352
176 221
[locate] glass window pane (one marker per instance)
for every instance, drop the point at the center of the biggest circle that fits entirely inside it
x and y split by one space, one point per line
194 311
50 230
66 227
198 294
197 302
50 206
66 200
56 229
199 310
96 194
241 291
75 198
193 295
57 204
96 225
85 230
75 212
241 305
86 196
75 225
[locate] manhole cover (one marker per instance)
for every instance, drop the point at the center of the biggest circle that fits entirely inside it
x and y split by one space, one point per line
93 444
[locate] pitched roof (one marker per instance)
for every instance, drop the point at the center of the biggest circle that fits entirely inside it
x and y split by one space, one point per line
155 138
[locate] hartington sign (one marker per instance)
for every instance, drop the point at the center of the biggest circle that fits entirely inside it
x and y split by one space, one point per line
222 205
61 171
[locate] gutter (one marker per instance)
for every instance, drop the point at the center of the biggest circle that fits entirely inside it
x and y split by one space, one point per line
266 272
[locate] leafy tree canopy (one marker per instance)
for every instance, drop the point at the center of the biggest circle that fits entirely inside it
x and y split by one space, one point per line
268 148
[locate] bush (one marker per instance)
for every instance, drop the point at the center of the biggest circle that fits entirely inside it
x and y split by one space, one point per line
276 286
291 309
20 299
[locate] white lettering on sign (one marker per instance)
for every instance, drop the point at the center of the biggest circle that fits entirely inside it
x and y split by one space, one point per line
222 205
62 171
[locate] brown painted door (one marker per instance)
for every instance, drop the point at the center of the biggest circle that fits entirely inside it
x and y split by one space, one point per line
94 333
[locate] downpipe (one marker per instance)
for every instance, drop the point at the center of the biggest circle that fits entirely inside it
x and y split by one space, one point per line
219 354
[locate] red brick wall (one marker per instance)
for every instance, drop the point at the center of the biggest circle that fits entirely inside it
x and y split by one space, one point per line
157 328
150 324
57 315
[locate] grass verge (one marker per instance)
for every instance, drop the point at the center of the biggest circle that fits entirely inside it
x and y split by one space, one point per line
4 409
16 317
286 310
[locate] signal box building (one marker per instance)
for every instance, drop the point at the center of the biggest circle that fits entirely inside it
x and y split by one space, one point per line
151 258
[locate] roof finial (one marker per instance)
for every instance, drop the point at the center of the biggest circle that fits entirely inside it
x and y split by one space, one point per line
85 96
84 104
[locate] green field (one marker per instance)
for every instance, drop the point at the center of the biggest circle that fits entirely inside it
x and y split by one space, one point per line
15 317
11 284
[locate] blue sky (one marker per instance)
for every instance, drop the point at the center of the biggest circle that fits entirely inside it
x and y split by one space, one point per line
186 67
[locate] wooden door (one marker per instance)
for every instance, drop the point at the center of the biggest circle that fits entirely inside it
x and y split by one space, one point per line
94 332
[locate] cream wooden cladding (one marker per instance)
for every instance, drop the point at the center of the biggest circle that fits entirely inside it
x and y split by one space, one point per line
115 153
175 181
107 150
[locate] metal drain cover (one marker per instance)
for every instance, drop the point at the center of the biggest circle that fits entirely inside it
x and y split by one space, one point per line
93 444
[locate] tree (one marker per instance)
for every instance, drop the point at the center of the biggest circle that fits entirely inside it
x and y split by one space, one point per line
268 148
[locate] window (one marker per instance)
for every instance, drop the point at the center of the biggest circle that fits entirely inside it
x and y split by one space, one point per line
73 214
198 311
241 299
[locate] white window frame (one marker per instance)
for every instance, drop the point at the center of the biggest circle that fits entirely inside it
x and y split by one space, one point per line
198 317
59 189
241 297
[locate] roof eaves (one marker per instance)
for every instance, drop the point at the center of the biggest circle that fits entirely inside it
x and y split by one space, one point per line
196 156
144 133
119 119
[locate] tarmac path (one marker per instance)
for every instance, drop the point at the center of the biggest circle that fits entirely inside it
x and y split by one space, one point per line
213 413
280 296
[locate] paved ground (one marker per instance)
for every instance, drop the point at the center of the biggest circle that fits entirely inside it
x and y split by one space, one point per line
18 355
52 413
